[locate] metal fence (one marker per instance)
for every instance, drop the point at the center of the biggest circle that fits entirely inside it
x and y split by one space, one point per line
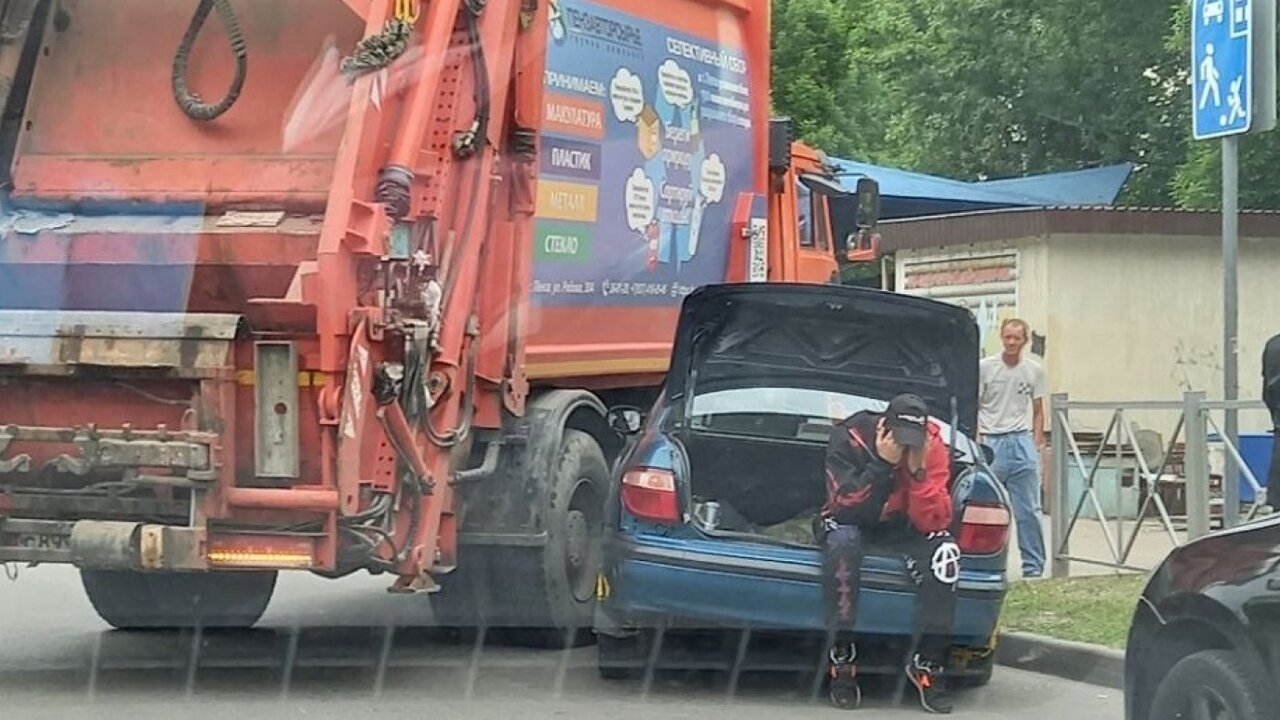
1181 464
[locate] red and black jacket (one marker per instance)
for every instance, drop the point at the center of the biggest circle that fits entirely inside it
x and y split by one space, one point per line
863 489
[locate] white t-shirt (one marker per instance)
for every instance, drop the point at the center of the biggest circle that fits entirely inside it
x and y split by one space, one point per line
1005 394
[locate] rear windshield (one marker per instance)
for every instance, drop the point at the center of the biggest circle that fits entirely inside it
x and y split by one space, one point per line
784 413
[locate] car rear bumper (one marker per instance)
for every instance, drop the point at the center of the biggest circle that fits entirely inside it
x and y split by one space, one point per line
646 581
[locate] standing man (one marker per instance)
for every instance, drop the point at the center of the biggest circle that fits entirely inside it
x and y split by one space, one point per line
1271 396
1011 421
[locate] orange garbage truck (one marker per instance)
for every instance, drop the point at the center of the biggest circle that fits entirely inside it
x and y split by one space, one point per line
350 285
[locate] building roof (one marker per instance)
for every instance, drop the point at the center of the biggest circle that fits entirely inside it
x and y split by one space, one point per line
1090 186
1017 223
910 194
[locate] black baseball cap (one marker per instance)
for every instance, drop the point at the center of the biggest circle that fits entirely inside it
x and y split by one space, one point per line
906 417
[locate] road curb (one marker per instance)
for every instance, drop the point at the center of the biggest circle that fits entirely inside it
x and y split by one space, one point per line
1078 661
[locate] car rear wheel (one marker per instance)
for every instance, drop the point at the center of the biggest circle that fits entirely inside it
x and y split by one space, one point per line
622 658
977 674
1210 685
131 600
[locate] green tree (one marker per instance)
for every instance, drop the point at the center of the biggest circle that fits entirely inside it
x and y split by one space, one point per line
812 68
985 88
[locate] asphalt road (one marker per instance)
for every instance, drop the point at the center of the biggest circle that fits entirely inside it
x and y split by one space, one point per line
320 654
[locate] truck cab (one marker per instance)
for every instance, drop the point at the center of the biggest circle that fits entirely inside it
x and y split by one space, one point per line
817 225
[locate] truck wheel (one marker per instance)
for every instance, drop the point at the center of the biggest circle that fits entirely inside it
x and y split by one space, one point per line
1212 684
541 596
572 556
131 600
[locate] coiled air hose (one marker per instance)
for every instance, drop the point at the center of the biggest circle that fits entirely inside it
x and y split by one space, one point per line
190 102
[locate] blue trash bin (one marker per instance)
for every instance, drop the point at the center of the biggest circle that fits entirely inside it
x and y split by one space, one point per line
1255 449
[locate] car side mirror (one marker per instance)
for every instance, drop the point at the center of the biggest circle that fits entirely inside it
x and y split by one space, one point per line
625 420
862 244
868 202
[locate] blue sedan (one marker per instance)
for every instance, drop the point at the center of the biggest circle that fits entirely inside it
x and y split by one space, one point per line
709 521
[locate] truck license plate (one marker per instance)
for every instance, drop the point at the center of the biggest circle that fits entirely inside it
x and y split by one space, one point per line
758 258
41 541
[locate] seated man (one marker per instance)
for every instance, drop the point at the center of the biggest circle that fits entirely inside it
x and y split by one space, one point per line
887 484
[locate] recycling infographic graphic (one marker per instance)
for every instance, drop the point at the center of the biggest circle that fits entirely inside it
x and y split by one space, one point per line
646 142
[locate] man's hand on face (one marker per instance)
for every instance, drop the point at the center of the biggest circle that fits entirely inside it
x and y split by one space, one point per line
886 447
915 459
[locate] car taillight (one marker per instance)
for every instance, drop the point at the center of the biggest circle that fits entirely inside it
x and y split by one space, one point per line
984 529
651 495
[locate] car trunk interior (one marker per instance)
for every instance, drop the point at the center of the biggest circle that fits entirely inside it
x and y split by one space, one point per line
763 486
773 488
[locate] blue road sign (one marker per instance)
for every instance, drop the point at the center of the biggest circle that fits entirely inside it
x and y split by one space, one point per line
1221 67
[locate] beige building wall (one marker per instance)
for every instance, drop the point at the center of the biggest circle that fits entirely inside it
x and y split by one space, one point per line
1126 317
1139 317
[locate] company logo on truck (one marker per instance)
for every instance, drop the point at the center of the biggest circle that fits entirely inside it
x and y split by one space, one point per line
555 19
590 26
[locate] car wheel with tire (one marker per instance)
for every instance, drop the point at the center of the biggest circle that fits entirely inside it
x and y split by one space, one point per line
977 674
1211 684
622 658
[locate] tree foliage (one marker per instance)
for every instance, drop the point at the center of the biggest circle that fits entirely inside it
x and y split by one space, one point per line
812 49
995 88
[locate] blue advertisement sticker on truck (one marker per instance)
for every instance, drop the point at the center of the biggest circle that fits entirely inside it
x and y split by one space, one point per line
659 123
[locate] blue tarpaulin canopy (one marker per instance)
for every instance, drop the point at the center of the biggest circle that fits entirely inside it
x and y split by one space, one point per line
909 194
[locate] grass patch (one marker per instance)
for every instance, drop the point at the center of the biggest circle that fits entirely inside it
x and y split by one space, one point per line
1087 609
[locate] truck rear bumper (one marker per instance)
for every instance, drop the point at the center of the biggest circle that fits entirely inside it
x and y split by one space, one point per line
102 544
121 545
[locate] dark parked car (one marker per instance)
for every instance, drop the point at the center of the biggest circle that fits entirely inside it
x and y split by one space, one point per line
1204 643
710 520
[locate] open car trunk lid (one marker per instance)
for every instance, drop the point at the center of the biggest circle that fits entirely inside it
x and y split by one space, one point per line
761 371
828 338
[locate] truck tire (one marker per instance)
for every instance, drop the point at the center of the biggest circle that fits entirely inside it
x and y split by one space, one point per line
543 595
572 557
1218 678
130 600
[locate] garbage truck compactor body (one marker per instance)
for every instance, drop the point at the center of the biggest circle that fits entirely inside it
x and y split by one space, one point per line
344 285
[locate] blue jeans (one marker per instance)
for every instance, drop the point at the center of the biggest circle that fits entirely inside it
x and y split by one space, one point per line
1017 465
